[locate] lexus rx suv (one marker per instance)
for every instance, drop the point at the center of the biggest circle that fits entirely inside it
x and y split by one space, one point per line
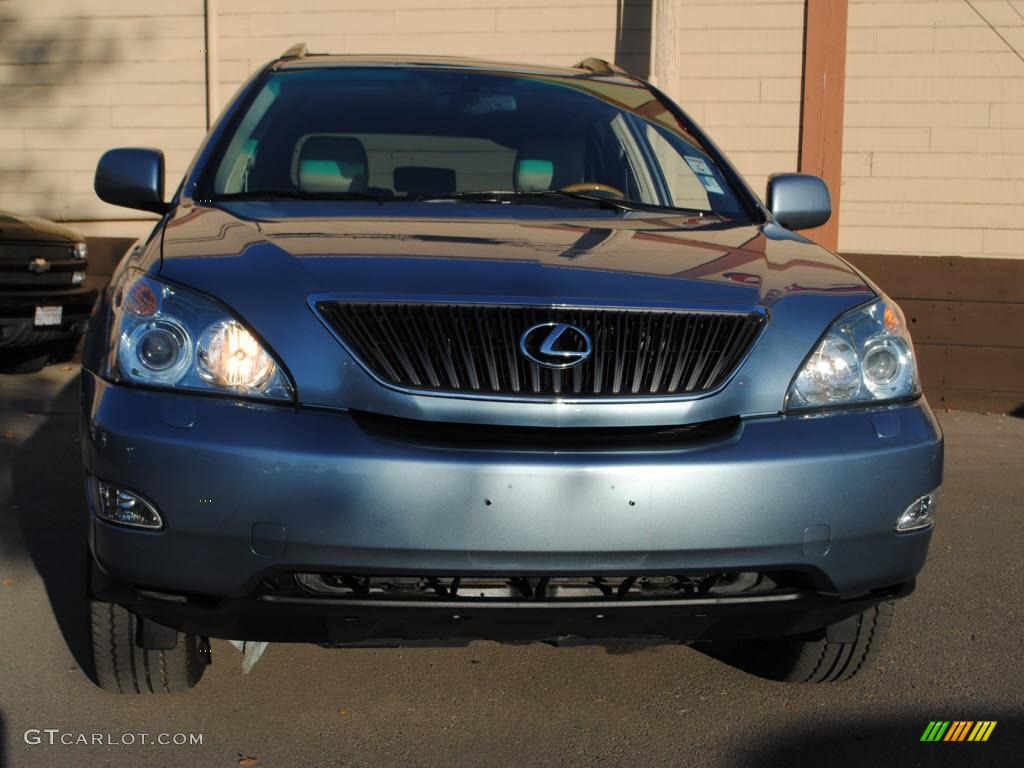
430 350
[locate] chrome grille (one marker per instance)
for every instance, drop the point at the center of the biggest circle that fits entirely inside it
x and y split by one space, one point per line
474 348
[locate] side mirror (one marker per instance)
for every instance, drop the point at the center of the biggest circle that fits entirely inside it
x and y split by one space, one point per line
133 178
799 200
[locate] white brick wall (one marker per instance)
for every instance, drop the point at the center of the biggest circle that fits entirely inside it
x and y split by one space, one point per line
741 66
934 139
78 78
934 128
536 31
76 81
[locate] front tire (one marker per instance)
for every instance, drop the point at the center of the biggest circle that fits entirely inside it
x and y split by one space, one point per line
805 660
122 666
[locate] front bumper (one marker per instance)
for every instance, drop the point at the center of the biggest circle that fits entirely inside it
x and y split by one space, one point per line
17 311
249 491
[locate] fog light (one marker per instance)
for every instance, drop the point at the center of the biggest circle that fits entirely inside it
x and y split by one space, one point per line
918 515
126 508
77 278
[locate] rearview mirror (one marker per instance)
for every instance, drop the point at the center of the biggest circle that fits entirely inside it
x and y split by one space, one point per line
799 200
133 178
475 103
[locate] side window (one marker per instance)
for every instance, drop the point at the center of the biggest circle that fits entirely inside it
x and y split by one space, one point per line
690 179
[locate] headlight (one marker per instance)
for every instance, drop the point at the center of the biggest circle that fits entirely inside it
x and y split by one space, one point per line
866 357
168 336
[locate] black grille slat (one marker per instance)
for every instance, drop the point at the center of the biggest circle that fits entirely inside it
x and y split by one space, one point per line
363 338
667 329
685 352
727 345
442 347
488 350
412 329
620 355
702 357
384 320
474 348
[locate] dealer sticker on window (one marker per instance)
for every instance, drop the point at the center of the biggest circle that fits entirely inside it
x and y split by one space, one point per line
48 315
711 185
698 166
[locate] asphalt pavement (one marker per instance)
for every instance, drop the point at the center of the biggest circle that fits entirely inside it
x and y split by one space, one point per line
956 653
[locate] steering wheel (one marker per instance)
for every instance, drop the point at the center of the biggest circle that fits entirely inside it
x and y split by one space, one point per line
593 186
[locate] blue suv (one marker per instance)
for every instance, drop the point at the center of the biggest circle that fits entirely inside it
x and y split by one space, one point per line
429 350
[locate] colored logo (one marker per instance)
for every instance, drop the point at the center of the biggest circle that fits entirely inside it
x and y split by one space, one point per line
958 730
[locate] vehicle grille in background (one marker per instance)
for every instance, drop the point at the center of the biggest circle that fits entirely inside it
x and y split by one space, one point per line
474 348
25 279
17 270
27 251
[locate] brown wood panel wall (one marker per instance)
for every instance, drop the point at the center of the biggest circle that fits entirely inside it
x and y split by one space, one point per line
822 104
965 323
967 318
106 252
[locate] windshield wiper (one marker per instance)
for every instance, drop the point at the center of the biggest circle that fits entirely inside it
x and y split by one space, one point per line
478 196
511 196
295 194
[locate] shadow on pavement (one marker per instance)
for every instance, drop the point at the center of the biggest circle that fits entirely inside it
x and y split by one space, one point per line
855 742
49 506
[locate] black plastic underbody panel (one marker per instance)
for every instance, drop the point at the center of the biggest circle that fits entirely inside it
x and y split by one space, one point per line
395 623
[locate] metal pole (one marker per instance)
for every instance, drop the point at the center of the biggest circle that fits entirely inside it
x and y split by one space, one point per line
212 62
664 52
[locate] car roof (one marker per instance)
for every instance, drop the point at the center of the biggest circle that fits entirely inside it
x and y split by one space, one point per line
333 60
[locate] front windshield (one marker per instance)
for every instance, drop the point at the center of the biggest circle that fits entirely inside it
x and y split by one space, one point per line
420 133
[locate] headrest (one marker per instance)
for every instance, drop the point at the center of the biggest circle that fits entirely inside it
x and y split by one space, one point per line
534 175
332 164
423 180
549 163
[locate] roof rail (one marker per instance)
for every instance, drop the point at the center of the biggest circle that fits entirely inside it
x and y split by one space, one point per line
600 67
297 51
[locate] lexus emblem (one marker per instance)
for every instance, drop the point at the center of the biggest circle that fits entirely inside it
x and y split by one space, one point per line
555 345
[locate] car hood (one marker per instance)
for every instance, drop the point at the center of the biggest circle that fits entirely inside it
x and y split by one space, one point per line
561 258
266 261
30 229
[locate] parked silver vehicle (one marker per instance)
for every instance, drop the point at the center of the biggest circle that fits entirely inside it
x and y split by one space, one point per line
431 350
